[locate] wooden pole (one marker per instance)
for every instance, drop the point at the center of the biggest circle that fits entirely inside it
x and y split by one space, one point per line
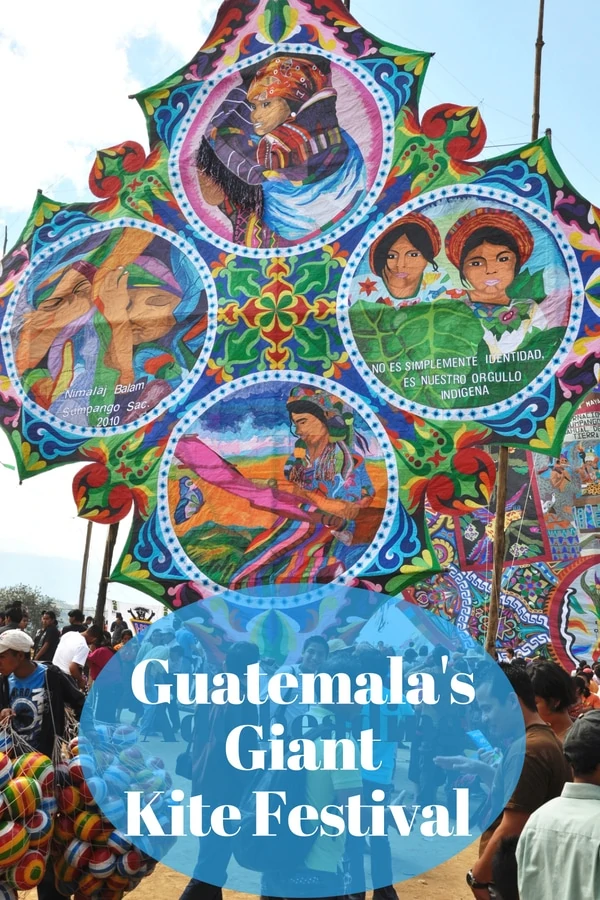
109 547
499 552
537 76
84 565
502 472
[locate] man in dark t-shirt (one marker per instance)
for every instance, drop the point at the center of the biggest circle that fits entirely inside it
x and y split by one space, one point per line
542 777
13 616
49 639
117 628
76 622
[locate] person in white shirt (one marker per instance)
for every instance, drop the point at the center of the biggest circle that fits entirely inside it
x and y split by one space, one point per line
558 854
72 652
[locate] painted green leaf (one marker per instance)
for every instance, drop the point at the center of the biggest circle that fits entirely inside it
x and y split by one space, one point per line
239 279
314 343
575 604
528 286
240 348
417 335
311 276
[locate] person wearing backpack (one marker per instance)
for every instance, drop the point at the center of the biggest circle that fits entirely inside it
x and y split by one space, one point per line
385 725
320 871
212 724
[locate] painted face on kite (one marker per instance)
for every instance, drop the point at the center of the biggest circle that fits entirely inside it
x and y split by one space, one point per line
488 247
267 115
118 313
276 161
305 503
428 323
73 292
309 428
404 268
68 301
490 269
402 253
150 313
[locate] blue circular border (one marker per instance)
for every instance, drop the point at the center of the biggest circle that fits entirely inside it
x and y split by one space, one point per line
350 219
171 540
179 393
545 219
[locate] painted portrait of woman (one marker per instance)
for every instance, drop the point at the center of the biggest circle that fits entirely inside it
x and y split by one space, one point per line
457 302
117 319
326 471
403 259
274 157
312 515
490 247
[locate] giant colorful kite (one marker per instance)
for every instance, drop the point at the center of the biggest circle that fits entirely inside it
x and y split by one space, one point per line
287 335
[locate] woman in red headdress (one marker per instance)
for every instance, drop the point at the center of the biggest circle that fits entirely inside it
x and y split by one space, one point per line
275 158
403 260
489 247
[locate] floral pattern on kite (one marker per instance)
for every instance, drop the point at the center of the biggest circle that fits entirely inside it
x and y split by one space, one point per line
461 304
106 328
282 151
277 485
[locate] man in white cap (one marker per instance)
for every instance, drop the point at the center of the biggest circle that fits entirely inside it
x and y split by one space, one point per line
33 695
558 853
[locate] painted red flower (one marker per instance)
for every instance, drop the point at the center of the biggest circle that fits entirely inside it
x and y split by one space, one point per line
508 315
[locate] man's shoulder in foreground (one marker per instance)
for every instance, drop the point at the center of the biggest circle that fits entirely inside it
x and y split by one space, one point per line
559 846
575 812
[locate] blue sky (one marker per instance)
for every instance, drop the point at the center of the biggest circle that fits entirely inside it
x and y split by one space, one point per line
66 95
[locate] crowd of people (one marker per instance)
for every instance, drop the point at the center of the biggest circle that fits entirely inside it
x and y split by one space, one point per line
547 833
524 851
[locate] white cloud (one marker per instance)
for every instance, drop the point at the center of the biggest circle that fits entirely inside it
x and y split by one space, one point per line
66 76
39 525
66 69
39 516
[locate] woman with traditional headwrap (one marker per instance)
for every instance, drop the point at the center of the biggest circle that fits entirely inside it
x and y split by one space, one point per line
120 319
489 247
403 260
275 158
327 470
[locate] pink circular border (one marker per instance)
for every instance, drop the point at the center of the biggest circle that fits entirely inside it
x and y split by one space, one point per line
361 106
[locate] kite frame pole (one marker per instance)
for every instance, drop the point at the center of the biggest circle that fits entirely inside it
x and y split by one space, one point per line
84 565
499 552
109 548
537 75
502 471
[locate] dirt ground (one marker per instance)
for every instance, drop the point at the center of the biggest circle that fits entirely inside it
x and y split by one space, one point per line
447 882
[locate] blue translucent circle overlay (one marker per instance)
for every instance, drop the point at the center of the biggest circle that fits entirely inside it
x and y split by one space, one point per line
380 749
